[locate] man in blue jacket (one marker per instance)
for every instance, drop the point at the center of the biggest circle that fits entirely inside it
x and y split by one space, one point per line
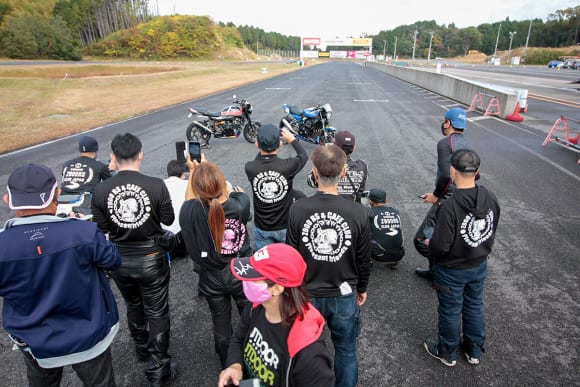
58 306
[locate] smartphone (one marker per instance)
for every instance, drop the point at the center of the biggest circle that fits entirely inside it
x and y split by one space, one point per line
194 149
249 383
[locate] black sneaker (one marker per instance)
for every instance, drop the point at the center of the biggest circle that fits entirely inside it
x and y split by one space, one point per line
431 349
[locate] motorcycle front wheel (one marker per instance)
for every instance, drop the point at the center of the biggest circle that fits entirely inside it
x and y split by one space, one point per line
251 132
327 137
195 133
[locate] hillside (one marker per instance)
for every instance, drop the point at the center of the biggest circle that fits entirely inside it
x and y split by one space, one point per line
174 37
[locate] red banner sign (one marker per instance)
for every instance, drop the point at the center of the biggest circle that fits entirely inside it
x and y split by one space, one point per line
311 41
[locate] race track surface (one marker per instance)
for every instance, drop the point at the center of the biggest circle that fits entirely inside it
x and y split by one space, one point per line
532 290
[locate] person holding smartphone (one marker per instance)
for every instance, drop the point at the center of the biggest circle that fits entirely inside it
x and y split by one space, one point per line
279 339
213 228
272 179
452 128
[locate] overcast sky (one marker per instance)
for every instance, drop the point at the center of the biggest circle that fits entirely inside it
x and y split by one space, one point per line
331 19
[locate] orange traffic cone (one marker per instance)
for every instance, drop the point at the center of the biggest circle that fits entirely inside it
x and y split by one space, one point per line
516 114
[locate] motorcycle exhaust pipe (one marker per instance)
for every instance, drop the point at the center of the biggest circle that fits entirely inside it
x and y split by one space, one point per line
202 126
288 126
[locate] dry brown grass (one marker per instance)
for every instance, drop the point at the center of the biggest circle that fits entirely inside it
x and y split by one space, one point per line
44 102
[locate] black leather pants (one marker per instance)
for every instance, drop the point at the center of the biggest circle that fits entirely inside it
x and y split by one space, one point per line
144 284
218 288
425 230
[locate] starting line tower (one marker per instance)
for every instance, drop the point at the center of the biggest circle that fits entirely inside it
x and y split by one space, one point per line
323 44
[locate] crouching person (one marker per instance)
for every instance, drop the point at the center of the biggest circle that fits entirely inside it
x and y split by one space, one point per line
387 232
279 339
58 308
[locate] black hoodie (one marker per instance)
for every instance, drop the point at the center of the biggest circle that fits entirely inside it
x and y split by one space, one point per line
465 228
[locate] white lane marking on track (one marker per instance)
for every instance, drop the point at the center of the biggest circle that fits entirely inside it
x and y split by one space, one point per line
530 151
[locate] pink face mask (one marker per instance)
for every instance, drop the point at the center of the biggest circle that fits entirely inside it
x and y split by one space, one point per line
256 292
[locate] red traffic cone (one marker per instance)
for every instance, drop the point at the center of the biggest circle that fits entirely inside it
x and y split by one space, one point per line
516 114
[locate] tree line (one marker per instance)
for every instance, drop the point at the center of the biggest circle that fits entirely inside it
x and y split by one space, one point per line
68 29
561 29
61 29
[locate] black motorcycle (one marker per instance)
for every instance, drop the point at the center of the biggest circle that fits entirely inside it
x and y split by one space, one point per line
310 124
230 122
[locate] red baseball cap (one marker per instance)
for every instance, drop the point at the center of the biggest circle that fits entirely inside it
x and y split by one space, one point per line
277 262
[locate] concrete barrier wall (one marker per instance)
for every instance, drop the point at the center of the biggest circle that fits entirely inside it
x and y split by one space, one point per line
457 89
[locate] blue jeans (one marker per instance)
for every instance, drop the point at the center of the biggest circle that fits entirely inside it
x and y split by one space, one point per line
263 237
343 318
460 294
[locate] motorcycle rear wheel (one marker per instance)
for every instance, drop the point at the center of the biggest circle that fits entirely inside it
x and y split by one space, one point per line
195 133
251 132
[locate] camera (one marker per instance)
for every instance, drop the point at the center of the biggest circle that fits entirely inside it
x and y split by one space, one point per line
311 180
364 198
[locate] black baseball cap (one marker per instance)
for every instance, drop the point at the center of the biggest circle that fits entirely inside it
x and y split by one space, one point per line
88 144
31 187
269 137
377 195
466 161
345 140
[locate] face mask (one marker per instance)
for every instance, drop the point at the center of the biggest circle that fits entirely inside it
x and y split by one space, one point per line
256 292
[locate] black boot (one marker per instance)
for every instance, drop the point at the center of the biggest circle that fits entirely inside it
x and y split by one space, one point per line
161 369
140 335
424 273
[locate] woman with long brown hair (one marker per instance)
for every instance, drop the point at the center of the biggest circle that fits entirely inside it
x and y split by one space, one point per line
214 230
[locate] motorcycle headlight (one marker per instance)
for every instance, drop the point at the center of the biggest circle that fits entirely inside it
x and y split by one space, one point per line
250 109
328 114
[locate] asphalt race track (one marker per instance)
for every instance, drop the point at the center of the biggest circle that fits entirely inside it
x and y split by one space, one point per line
532 296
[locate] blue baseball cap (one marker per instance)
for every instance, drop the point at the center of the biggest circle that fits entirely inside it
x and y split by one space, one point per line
458 118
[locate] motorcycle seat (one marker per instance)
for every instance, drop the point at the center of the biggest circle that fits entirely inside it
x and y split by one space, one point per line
205 112
295 110
70 198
